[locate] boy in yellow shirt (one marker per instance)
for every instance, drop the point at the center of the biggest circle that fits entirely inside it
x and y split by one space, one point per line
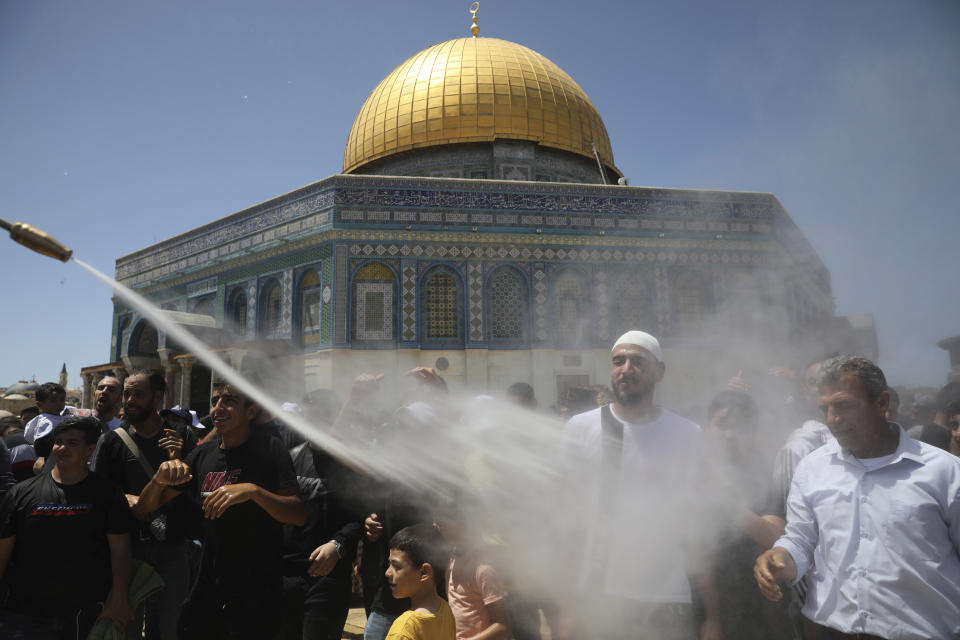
414 552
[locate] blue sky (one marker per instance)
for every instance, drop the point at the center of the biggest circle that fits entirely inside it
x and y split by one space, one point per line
123 122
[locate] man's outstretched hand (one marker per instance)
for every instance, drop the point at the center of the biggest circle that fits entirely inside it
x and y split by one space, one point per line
772 568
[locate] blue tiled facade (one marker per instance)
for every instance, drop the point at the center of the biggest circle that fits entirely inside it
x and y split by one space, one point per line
413 225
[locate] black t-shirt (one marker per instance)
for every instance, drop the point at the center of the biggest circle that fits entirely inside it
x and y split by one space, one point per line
116 462
61 558
242 551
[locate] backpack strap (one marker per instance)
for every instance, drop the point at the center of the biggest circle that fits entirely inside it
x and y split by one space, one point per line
611 449
135 450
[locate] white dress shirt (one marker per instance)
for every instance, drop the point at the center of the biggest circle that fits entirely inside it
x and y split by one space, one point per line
883 536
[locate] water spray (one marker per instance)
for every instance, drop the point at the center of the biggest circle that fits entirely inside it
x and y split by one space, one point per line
37 240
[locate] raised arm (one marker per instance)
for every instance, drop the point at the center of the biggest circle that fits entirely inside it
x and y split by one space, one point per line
159 491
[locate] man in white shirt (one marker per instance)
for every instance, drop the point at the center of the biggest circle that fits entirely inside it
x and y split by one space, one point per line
636 464
877 514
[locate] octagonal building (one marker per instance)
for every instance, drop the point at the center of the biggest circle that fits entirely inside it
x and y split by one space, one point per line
480 226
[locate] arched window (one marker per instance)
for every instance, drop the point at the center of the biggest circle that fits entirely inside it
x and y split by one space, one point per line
571 305
270 310
633 305
374 304
236 315
310 307
690 303
442 309
507 307
143 341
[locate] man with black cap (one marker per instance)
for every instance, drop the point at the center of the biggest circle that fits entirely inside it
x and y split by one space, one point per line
640 460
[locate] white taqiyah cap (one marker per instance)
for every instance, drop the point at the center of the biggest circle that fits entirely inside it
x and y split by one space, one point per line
641 339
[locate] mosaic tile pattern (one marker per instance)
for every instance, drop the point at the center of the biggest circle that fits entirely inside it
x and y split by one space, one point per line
602 320
661 287
541 330
340 295
251 307
689 299
633 304
287 280
195 289
475 280
408 301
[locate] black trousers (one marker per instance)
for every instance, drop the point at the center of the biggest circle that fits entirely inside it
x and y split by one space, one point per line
209 614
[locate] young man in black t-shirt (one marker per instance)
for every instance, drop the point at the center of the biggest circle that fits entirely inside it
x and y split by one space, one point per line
248 490
161 539
64 543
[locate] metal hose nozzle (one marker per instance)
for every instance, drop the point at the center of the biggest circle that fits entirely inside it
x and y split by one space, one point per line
39 241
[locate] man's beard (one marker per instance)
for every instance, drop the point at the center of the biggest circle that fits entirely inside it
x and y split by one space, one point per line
137 415
629 398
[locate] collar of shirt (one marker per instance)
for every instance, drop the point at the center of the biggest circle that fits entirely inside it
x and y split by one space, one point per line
907 449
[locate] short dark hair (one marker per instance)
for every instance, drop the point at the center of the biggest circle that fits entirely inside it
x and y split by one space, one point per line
90 427
738 401
521 390
47 389
422 544
870 375
31 409
156 380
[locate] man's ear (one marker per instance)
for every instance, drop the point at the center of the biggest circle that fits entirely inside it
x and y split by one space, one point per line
251 411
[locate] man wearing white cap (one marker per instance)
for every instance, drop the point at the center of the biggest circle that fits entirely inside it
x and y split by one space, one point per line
640 459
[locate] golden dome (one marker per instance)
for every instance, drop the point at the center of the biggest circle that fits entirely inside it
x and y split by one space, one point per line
475 90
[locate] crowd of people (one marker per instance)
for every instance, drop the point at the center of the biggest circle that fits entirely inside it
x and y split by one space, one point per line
484 519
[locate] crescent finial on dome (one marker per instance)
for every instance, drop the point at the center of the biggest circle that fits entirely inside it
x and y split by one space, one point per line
474 28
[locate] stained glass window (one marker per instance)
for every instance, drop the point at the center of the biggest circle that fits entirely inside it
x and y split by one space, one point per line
570 308
271 310
237 312
374 305
507 311
441 303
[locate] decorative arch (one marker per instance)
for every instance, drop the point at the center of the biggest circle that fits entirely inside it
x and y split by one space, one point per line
571 309
441 307
633 304
374 304
507 308
143 340
270 309
235 314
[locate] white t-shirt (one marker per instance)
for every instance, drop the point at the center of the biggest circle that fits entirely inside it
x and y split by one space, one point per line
645 560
